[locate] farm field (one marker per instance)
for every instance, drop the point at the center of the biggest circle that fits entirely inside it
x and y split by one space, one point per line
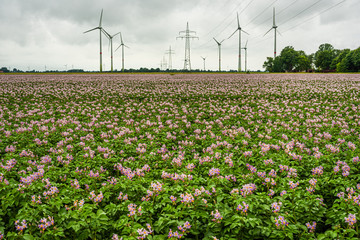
211 156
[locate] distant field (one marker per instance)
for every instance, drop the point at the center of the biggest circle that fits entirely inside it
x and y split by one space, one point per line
196 156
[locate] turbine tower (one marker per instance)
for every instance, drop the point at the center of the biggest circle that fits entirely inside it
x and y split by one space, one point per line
170 52
240 30
273 27
122 45
245 48
100 28
187 36
219 46
110 37
204 58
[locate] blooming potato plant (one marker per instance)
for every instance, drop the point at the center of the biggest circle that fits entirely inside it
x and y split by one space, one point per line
184 156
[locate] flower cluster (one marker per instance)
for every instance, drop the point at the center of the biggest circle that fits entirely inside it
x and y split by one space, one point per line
53 190
214 172
248 189
350 219
115 237
96 198
20 226
132 210
174 234
280 222
184 227
311 227
187 199
36 200
79 204
276 207
143 232
244 207
318 170
293 185
45 223
122 196
217 217
343 166
173 199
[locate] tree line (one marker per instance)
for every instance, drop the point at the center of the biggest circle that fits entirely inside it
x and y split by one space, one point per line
325 59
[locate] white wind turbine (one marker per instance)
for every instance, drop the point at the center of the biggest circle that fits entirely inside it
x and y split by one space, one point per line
219 45
240 30
245 48
100 30
122 51
110 37
275 30
204 58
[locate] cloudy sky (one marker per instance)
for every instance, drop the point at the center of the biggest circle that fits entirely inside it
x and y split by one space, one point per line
39 34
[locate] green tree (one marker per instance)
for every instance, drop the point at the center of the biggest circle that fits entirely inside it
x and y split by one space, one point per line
268 64
289 58
278 65
324 56
4 69
303 62
350 63
340 56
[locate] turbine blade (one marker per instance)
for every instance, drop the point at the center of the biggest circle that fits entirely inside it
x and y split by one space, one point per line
118 47
216 41
246 44
245 32
238 22
115 34
233 33
222 41
106 33
274 16
121 40
91 30
126 46
268 31
101 17
277 30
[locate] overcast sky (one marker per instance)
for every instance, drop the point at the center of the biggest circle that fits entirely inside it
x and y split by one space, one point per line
49 33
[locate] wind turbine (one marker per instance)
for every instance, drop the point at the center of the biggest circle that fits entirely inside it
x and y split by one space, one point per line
122 51
245 48
240 30
204 58
219 45
273 27
100 28
110 37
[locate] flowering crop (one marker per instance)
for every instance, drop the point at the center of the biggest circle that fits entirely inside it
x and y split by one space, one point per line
100 156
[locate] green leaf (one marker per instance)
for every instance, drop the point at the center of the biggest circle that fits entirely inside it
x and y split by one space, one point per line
28 237
321 236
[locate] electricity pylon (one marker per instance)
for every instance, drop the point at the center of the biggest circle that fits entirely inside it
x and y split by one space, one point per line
170 52
187 36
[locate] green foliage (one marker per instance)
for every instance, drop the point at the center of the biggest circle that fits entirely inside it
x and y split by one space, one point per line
106 156
289 60
324 56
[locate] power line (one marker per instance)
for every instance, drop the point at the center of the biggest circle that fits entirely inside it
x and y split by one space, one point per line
328 9
261 13
301 12
278 13
221 23
290 28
